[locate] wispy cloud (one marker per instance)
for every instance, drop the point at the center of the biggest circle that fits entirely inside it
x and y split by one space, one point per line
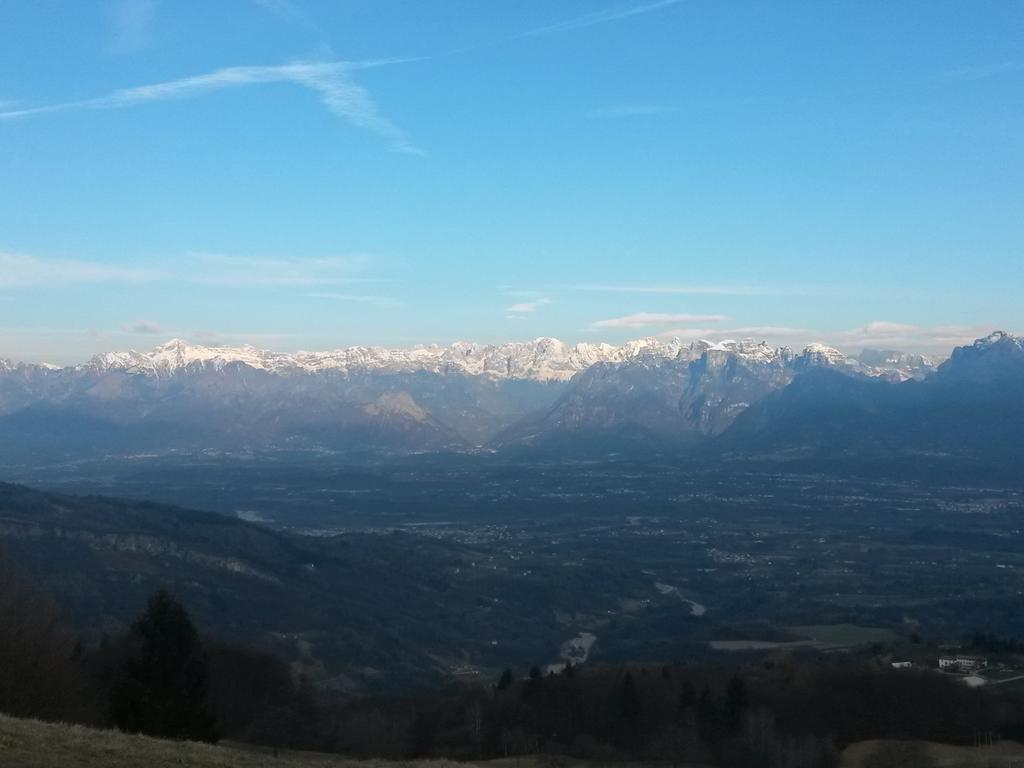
332 81
528 307
288 11
980 71
938 339
507 290
217 338
221 269
890 335
21 270
131 22
646 319
18 270
357 298
632 110
599 17
146 328
777 334
711 290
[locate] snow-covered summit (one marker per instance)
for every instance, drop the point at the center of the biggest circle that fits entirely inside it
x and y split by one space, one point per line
821 355
749 352
12 366
824 353
1000 337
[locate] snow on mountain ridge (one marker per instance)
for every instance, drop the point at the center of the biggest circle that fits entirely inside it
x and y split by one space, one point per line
542 359
997 337
822 354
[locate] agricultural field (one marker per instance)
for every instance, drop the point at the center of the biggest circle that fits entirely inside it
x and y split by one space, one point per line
840 636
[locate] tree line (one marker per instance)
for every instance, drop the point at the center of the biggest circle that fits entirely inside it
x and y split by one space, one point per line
160 678
783 714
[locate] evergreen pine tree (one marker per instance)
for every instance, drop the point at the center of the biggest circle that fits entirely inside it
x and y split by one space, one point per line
629 700
505 680
162 690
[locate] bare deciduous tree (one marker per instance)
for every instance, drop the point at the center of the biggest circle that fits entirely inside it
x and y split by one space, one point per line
40 671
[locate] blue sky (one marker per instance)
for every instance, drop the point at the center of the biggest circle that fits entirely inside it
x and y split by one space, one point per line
303 174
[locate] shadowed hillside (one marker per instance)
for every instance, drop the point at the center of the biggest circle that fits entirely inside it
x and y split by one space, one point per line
358 612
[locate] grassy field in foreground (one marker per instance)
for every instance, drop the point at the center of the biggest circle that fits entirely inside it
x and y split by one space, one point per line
31 744
1005 754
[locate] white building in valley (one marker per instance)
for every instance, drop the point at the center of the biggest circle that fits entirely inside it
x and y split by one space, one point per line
962 662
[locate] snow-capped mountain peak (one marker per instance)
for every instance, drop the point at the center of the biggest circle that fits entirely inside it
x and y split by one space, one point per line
747 350
177 354
999 337
821 354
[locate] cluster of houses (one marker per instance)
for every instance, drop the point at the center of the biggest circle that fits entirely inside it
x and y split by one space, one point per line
960 662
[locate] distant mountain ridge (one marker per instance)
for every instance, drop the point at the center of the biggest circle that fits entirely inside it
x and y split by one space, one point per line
694 396
971 408
542 359
649 394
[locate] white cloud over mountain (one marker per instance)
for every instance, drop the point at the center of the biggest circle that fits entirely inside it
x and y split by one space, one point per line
646 319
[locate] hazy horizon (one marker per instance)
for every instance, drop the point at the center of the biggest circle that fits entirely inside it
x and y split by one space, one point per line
887 339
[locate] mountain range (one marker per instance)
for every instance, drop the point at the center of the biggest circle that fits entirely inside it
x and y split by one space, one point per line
543 359
743 397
